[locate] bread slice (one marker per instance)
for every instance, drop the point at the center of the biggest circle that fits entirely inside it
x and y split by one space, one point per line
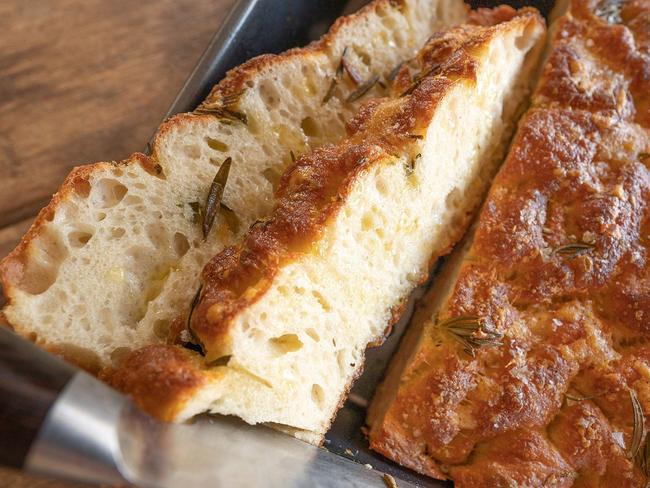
525 360
117 254
284 318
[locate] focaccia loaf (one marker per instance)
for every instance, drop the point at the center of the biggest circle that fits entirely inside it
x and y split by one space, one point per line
117 254
529 357
283 319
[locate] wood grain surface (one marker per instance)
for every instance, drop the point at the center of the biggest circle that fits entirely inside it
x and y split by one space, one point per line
84 81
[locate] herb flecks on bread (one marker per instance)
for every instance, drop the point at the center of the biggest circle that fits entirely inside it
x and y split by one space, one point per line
284 317
117 254
558 268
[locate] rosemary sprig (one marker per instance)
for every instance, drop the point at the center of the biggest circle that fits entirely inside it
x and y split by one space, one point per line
222 113
393 73
330 91
470 332
341 67
195 302
638 429
191 341
574 249
642 460
335 79
232 98
362 89
213 201
419 78
352 72
225 109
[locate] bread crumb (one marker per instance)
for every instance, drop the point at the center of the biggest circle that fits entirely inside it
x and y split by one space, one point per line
367 466
389 481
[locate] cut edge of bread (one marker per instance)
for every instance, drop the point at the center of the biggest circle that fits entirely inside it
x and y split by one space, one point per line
382 143
97 275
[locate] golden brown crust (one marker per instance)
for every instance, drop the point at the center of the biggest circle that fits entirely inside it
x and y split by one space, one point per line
12 267
160 379
574 319
311 192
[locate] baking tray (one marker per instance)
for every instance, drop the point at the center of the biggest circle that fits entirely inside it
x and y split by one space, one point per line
254 27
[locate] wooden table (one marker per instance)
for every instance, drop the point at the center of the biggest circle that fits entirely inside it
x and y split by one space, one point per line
84 81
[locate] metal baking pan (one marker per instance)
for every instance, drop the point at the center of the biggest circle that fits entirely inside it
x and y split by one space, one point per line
58 421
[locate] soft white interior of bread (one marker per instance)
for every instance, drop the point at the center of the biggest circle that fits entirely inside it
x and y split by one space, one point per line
116 265
296 350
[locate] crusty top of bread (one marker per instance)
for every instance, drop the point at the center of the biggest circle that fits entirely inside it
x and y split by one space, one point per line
117 254
311 192
554 289
387 133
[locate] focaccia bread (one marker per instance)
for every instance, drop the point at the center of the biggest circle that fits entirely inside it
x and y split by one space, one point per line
118 252
528 363
283 319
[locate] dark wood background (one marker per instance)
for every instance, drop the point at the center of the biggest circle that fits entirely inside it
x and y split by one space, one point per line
84 81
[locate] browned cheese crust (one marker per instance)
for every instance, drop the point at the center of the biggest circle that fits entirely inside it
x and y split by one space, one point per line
559 267
312 191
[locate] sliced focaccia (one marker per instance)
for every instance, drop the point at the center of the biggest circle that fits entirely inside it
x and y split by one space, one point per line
528 363
117 254
282 320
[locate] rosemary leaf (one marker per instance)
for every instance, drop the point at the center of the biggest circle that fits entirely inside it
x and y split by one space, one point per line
195 302
340 67
232 98
362 89
642 459
236 115
330 91
573 250
293 156
418 79
393 73
416 136
352 72
468 330
222 113
215 194
638 429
